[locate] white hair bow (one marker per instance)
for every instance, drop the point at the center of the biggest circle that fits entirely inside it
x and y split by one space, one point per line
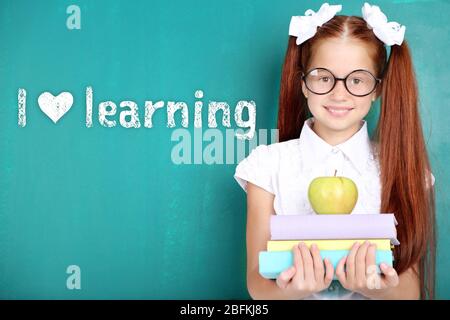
305 27
389 32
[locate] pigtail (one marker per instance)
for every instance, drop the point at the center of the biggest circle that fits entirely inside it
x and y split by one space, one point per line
404 167
292 110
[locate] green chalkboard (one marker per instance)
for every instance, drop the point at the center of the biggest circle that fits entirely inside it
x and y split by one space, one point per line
129 209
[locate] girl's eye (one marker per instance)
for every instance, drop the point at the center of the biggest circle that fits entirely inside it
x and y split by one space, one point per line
356 81
326 79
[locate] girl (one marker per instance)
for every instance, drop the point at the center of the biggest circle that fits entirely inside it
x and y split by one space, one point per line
335 67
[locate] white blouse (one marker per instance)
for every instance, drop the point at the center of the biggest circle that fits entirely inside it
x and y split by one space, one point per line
286 169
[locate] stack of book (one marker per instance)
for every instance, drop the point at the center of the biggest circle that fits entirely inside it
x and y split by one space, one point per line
333 234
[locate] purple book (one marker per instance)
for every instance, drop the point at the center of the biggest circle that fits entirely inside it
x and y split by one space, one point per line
337 226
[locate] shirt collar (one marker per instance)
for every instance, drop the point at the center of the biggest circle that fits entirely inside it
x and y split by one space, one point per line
314 149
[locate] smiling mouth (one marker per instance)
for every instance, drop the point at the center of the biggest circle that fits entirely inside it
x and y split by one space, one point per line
338 111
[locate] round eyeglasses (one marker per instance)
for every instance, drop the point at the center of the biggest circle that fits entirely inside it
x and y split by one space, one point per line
359 82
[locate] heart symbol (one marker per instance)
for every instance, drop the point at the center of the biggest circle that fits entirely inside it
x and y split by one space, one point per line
55 107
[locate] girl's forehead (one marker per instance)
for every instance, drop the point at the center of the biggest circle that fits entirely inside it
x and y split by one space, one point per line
342 56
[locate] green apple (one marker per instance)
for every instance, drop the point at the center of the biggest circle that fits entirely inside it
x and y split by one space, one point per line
332 195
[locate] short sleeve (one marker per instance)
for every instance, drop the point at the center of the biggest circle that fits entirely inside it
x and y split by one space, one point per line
256 168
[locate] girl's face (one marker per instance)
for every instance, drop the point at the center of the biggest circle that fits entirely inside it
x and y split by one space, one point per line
341 57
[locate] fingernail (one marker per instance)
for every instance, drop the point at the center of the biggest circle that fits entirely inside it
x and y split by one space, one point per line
314 246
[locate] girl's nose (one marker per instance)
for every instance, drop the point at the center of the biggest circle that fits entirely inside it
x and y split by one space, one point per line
339 90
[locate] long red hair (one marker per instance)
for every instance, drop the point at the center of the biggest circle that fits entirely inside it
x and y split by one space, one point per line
405 167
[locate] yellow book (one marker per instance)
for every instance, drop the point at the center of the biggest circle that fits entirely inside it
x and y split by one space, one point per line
285 245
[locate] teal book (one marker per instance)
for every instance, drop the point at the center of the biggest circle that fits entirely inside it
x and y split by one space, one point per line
272 263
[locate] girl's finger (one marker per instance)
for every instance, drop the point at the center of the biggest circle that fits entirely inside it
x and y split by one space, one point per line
329 272
340 272
371 259
298 263
285 277
391 278
371 255
319 269
350 263
360 264
308 264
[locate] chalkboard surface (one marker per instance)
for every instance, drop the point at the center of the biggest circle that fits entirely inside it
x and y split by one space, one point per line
94 203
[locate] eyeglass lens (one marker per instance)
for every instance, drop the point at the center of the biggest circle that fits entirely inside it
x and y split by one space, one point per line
321 81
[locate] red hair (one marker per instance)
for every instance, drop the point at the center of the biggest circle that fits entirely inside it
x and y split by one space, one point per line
402 153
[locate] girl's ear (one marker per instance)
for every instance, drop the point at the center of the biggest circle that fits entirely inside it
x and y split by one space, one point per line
378 91
304 90
376 94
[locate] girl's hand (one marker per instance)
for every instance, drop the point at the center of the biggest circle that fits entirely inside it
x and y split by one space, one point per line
360 274
307 275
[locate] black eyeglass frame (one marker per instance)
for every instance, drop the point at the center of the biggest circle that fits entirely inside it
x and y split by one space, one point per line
336 79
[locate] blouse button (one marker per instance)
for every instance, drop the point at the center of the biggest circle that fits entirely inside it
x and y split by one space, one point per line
335 150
